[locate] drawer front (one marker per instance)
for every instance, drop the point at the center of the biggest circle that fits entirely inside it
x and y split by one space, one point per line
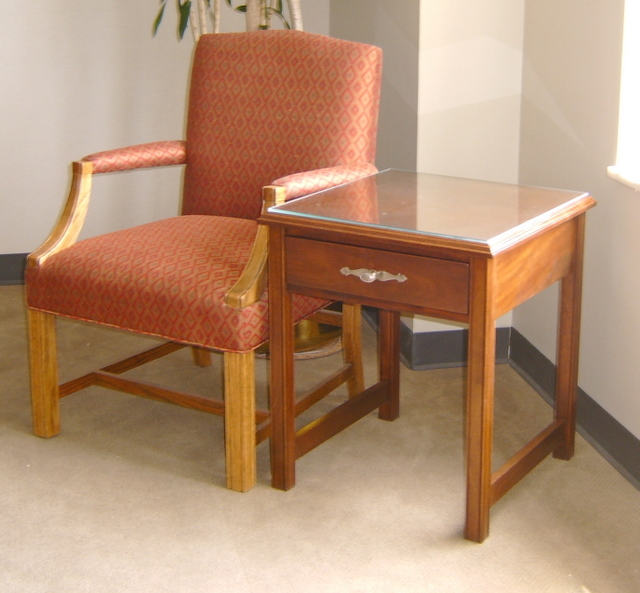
430 283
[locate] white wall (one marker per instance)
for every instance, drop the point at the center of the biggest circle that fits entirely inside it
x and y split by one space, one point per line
83 76
470 85
395 27
569 131
470 81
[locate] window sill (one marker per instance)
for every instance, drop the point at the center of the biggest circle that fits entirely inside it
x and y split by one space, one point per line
617 174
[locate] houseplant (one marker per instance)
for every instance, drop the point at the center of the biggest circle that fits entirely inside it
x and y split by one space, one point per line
203 16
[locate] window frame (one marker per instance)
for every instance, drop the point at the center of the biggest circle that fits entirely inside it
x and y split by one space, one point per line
627 167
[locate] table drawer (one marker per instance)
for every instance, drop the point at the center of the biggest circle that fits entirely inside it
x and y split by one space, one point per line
424 282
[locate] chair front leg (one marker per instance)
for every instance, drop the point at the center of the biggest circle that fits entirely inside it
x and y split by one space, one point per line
352 346
240 420
45 400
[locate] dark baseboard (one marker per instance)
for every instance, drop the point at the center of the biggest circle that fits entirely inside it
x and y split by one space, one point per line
429 350
12 268
432 350
436 350
614 442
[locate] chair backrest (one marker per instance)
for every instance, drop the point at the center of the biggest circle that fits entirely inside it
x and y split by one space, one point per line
266 104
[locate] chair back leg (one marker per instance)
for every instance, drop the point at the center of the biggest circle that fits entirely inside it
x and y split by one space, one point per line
240 420
45 401
352 346
201 356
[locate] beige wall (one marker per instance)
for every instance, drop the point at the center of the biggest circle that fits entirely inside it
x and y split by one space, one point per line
568 138
79 77
84 76
470 84
469 95
395 27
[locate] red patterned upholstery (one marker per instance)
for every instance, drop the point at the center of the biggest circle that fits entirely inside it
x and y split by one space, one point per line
154 154
167 278
295 102
301 184
262 106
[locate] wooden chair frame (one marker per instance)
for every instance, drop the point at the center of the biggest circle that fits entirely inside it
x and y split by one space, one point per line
245 426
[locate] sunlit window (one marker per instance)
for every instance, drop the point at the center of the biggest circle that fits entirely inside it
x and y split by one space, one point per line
627 167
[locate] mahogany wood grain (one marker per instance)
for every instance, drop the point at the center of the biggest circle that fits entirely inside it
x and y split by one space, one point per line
339 418
389 361
568 344
327 386
282 398
352 346
480 396
431 283
482 249
529 267
520 464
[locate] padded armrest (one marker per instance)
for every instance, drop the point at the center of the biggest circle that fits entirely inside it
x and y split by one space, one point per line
151 154
252 281
301 184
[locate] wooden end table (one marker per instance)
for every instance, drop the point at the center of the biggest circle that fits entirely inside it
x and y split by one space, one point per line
452 249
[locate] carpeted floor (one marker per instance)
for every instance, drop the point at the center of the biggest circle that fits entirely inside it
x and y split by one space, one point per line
130 497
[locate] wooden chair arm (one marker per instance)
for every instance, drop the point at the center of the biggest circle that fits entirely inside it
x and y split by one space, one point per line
70 223
67 230
249 287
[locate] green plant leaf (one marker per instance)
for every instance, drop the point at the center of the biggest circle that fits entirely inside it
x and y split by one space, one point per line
240 8
185 11
158 20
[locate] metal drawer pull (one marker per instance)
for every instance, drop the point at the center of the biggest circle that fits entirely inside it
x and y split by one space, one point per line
372 275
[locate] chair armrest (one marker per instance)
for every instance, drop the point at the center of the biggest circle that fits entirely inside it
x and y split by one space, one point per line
140 156
65 234
249 287
308 182
72 218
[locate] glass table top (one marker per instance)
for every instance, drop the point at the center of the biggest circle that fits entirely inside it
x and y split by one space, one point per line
463 209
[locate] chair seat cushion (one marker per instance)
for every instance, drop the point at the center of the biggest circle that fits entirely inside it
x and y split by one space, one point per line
166 278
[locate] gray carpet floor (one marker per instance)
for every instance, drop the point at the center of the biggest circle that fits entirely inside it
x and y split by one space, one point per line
130 496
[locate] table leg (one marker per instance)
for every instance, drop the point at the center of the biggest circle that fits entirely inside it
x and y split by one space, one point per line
568 346
282 388
389 361
480 394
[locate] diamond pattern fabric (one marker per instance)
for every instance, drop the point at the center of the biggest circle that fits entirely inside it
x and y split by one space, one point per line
295 102
153 154
166 278
263 106
302 184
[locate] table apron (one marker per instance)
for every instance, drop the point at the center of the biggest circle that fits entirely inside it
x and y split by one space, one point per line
390 280
531 266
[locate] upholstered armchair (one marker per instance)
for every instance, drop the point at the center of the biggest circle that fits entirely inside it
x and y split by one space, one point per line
272 115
